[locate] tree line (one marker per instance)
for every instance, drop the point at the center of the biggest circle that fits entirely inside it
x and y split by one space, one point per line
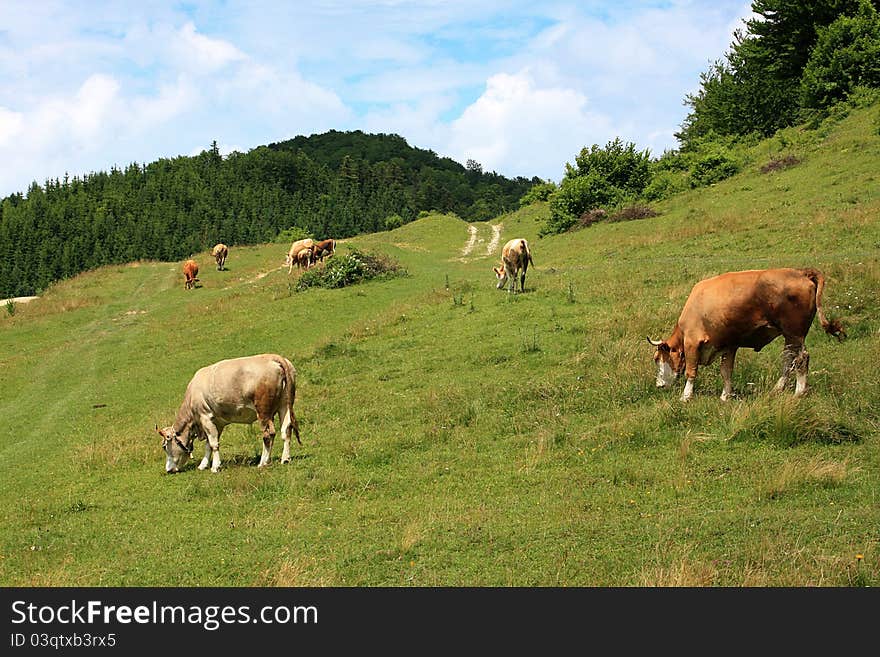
335 184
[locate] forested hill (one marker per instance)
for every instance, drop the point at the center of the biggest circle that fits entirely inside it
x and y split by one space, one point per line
336 184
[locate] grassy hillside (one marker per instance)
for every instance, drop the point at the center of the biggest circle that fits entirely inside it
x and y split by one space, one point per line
454 434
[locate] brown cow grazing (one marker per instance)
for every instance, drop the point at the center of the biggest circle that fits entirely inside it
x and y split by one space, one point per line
220 252
515 259
322 249
233 391
190 273
744 309
295 248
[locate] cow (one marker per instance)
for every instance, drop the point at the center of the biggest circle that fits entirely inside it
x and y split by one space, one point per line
220 252
745 309
233 391
294 250
515 259
305 258
322 249
190 274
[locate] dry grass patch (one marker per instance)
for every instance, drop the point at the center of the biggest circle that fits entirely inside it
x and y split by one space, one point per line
297 571
797 473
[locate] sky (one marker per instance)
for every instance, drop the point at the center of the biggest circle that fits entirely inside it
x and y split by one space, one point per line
519 86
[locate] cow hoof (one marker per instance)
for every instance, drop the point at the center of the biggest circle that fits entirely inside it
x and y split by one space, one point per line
285 461
215 470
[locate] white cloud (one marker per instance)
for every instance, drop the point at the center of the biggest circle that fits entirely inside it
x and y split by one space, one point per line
203 53
10 124
520 87
523 129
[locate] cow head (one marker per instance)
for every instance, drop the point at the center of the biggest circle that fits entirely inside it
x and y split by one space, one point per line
501 275
178 449
670 362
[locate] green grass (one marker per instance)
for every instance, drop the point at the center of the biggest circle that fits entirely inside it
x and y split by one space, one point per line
458 435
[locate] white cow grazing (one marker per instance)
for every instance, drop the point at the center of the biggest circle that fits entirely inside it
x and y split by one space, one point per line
293 255
515 259
233 391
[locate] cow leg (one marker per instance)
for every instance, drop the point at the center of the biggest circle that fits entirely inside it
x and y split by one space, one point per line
268 439
286 426
692 360
790 353
206 459
801 366
212 432
727 359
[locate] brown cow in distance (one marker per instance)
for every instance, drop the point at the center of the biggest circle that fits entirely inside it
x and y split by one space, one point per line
515 260
322 249
220 253
745 309
190 273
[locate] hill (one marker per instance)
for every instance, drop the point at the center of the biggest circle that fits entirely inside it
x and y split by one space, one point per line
336 184
457 435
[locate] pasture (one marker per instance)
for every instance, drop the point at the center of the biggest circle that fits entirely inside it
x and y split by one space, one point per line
456 435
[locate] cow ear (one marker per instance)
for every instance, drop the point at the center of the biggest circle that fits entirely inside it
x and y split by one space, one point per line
664 347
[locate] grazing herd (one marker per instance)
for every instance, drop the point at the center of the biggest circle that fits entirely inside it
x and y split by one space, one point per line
731 311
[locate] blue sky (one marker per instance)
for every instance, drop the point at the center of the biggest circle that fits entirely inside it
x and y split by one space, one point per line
520 87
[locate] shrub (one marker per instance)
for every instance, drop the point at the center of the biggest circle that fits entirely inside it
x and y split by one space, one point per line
711 168
665 183
539 192
601 177
576 196
349 269
393 221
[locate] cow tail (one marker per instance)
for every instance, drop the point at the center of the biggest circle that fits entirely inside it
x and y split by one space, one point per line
528 252
832 327
290 383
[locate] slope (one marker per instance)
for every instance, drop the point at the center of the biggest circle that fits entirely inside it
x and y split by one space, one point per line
455 434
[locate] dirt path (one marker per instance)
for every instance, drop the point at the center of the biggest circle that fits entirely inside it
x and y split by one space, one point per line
3 302
496 237
472 240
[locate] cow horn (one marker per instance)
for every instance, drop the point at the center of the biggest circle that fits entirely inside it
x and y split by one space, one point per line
656 343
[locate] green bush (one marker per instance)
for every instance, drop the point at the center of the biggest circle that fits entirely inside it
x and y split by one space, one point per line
539 192
665 183
576 196
349 269
711 168
393 221
601 177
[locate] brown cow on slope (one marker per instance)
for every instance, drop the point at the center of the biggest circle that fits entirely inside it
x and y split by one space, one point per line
515 259
220 253
322 249
744 309
233 391
190 273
